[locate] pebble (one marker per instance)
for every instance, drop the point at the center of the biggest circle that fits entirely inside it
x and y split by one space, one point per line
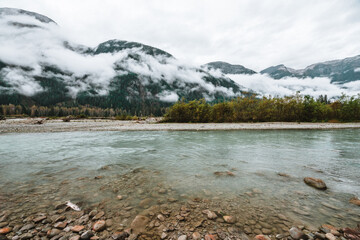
5 230
26 236
262 237
330 236
196 236
120 235
77 228
53 232
229 219
86 235
99 215
99 226
139 223
76 237
3 224
163 235
210 237
161 217
315 183
27 227
60 225
39 219
296 233
182 237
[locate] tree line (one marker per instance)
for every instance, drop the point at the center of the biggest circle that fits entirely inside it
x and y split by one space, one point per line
267 109
62 111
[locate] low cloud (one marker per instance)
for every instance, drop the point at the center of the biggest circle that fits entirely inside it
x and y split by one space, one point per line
43 44
315 87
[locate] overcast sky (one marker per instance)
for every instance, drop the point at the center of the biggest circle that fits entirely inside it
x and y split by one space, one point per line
254 33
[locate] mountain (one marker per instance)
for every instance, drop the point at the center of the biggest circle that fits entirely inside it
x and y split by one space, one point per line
280 71
339 71
228 68
39 66
19 12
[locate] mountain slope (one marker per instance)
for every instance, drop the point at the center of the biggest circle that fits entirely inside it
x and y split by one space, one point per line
228 68
39 66
339 71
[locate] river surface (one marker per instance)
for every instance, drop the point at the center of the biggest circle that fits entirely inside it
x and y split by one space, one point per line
38 169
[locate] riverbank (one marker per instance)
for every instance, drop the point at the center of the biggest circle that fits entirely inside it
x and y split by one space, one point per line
33 125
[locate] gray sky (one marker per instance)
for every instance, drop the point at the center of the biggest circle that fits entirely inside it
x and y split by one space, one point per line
254 33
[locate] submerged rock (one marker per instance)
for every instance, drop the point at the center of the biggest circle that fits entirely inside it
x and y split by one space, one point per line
355 201
139 223
315 183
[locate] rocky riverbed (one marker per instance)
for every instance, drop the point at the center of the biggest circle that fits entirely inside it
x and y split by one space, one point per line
125 206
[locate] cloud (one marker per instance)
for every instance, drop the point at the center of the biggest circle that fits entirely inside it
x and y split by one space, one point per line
43 44
253 33
315 87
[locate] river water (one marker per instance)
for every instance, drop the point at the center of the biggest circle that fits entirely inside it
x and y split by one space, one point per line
39 169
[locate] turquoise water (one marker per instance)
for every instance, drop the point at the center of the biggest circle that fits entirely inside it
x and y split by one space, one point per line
186 162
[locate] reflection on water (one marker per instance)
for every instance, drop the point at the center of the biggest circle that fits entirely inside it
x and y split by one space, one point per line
149 168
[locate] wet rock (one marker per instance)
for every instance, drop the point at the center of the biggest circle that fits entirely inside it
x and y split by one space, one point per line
60 218
210 237
266 231
227 173
247 230
3 224
39 219
210 214
355 201
196 236
86 235
320 235
330 236
315 183
27 227
119 197
163 235
120 235
60 225
5 230
172 200
296 233
99 215
109 222
139 223
182 237
26 236
262 237
280 236
145 203
283 175
77 228
60 205
353 234
99 226
229 219
53 232
161 217
93 213
76 237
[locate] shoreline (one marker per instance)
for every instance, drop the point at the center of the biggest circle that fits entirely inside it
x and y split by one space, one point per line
31 125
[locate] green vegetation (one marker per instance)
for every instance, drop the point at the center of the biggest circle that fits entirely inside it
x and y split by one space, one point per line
62 111
243 109
251 109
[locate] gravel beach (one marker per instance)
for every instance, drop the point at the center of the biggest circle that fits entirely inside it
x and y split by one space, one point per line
31 125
